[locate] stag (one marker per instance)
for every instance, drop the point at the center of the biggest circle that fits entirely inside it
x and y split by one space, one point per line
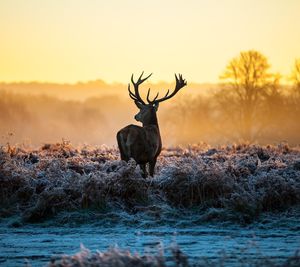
143 144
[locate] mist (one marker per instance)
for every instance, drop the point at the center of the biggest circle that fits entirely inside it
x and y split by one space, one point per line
92 113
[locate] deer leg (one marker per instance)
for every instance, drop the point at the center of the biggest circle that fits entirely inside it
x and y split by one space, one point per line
143 167
123 157
121 147
152 166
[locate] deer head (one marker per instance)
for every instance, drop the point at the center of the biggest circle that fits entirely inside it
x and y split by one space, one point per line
147 113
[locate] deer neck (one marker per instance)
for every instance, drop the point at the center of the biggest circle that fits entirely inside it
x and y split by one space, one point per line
152 121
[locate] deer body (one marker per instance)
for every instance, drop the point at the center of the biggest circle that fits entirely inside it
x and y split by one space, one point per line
143 144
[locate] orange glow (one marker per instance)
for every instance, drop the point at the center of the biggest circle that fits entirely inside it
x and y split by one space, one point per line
70 41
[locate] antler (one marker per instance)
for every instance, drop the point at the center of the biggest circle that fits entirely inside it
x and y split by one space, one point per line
180 83
136 95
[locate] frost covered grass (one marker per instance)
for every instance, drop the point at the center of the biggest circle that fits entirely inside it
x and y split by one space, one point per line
238 182
120 258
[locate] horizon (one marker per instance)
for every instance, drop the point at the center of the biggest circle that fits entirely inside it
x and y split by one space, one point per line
96 80
155 83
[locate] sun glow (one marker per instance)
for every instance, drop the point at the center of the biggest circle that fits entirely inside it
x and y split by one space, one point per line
69 41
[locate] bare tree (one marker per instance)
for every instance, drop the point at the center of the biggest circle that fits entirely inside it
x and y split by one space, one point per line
295 77
294 103
246 80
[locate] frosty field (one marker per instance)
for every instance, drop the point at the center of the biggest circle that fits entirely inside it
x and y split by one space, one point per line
223 206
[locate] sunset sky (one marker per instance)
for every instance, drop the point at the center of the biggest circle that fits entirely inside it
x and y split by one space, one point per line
80 40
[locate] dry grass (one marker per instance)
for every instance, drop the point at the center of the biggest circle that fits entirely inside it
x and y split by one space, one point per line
242 181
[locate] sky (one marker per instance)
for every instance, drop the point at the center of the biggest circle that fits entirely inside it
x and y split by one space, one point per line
67 41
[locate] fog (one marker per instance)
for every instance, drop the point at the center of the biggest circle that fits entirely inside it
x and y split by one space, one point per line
92 113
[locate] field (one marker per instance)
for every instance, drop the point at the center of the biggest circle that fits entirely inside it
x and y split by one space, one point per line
245 186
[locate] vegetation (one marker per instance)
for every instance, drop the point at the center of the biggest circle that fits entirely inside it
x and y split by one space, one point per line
295 78
119 258
249 80
238 182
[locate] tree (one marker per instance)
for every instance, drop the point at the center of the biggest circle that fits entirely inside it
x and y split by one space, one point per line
294 103
295 78
246 79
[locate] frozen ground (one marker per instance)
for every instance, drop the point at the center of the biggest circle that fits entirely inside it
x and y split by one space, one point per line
224 206
216 244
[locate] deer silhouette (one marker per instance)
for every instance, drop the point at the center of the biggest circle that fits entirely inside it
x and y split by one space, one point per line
143 144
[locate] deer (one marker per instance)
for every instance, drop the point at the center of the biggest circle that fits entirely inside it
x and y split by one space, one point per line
143 143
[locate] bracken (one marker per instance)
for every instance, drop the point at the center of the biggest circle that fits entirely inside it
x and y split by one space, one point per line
245 180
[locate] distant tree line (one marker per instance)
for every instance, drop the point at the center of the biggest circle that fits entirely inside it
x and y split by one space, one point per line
250 105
